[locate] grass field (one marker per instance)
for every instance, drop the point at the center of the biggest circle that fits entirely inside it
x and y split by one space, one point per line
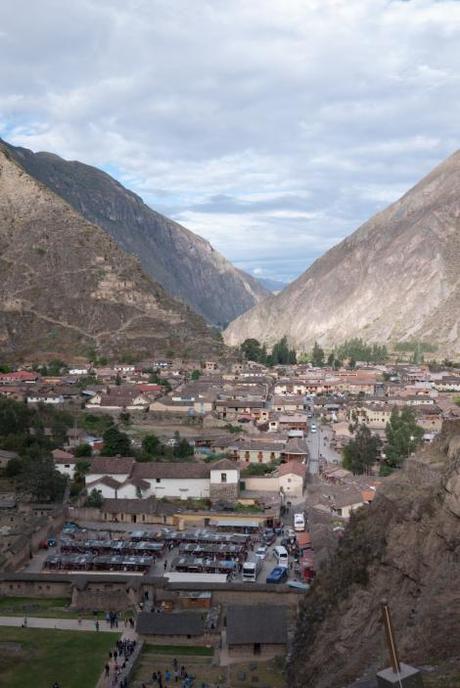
38 657
43 607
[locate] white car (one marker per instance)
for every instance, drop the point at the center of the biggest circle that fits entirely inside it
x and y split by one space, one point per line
313 428
261 552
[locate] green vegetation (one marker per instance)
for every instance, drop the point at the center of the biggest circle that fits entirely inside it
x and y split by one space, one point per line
155 379
115 442
362 451
95 499
42 607
83 450
22 427
281 354
54 368
358 350
259 468
96 423
72 658
151 445
403 435
317 356
196 374
178 650
39 478
413 346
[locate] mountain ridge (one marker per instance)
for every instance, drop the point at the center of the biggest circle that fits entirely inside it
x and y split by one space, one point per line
67 286
395 278
185 264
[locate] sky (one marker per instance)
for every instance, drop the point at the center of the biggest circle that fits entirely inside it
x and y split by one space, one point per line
273 128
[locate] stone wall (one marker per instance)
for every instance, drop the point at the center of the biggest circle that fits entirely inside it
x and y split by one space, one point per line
224 492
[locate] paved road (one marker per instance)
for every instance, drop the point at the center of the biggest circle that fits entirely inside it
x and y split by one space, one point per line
319 444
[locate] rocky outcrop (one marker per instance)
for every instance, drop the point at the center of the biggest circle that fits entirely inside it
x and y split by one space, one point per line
67 288
186 265
396 278
405 547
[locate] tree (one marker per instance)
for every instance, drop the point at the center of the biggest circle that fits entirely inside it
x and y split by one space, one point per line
331 359
183 449
115 442
83 450
151 445
13 467
282 354
317 356
252 350
402 435
362 451
82 468
41 480
125 417
95 499
196 374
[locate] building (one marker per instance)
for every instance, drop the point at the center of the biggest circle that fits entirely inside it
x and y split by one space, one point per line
177 628
224 481
257 630
291 478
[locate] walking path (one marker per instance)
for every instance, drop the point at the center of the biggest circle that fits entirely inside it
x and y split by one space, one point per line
60 624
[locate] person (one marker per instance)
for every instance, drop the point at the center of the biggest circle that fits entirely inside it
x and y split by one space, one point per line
167 676
107 669
165 565
97 625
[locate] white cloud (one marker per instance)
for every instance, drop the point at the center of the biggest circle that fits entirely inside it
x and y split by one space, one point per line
271 128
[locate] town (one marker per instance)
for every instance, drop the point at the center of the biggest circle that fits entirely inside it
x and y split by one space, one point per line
194 501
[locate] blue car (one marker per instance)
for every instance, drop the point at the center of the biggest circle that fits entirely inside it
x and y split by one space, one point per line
278 575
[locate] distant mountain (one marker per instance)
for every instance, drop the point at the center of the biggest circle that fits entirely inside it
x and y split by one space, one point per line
67 288
396 278
186 265
274 286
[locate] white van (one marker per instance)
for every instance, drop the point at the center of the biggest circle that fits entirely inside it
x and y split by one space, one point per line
251 570
281 556
299 523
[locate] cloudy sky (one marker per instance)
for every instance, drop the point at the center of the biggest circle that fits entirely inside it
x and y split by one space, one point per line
271 127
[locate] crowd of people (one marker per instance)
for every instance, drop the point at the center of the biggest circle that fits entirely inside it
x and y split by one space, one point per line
118 661
175 677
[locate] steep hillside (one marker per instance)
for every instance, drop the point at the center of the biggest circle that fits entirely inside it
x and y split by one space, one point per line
396 278
406 548
186 265
66 287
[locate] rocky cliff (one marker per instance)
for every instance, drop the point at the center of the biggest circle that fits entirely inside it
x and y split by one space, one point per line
66 287
186 265
396 278
405 547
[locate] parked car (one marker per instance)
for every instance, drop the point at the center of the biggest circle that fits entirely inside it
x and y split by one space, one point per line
278 575
261 552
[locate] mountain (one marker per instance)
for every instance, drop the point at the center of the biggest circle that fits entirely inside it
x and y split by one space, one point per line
186 265
403 547
396 278
274 286
66 287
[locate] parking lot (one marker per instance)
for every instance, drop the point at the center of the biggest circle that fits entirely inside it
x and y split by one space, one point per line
156 550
